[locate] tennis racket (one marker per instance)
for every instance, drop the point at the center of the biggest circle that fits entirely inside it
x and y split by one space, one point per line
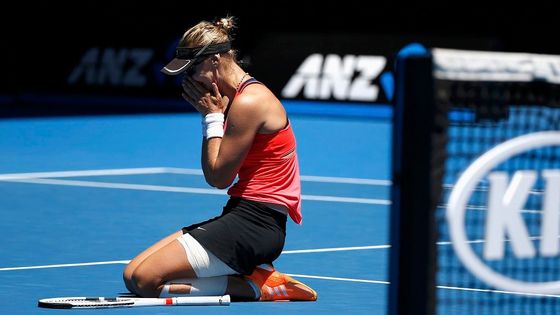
114 302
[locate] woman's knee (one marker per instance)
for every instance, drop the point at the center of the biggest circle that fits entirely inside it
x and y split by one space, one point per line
145 282
127 273
127 277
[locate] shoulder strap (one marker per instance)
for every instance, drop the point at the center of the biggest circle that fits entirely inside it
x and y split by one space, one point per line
246 83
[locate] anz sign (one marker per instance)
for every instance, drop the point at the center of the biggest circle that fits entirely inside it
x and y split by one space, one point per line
504 223
343 78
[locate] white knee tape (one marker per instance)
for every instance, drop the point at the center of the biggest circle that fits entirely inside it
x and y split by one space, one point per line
198 287
203 262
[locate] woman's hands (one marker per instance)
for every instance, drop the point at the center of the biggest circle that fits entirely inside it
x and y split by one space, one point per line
203 100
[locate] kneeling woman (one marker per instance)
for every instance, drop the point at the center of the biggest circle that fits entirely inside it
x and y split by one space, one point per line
246 134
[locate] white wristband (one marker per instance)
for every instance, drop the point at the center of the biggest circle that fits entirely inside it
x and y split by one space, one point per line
213 125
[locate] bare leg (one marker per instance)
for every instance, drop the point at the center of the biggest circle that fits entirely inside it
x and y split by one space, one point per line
170 262
134 263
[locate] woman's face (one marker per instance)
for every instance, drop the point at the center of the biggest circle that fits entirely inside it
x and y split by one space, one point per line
202 72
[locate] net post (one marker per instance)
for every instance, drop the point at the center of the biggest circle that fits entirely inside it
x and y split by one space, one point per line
415 191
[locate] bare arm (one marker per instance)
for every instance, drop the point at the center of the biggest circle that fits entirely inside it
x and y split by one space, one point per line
222 157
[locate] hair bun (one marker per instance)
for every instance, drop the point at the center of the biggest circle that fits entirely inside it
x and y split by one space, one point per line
226 23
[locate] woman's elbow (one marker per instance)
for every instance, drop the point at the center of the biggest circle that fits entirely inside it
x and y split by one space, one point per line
221 186
219 183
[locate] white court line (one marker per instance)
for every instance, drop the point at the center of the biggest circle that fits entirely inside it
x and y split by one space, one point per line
121 171
485 208
335 249
193 190
82 183
292 275
285 252
485 188
533 238
304 178
496 291
297 251
175 170
347 199
114 262
439 286
337 278
345 180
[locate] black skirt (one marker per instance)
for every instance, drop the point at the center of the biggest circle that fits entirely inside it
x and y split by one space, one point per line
245 235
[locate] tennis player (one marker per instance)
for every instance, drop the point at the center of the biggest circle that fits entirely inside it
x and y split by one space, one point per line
246 134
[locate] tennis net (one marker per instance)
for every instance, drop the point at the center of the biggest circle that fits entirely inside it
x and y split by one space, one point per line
491 174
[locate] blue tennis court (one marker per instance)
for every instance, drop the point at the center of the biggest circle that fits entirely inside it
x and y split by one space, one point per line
83 195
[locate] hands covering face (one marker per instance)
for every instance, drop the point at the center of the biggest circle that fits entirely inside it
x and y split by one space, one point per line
203 100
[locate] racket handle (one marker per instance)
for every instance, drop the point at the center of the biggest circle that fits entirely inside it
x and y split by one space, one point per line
186 300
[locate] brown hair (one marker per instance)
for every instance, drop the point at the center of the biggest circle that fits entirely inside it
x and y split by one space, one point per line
206 32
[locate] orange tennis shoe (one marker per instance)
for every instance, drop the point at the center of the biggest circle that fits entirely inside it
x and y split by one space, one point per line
276 286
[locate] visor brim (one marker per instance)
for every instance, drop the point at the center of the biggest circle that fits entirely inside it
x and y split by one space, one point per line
177 66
